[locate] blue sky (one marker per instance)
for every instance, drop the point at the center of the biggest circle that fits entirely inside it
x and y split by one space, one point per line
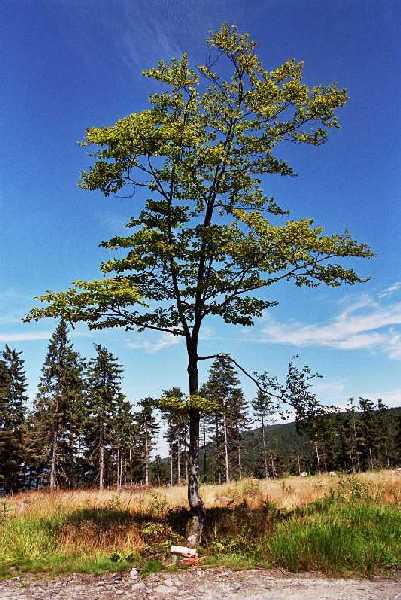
70 64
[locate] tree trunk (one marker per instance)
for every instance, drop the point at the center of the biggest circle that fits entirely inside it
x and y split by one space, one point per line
101 467
101 458
178 460
226 463
317 457
118 468
197 522
264 450
171 466
204 453
370 459
146 460
274 472
217 468
53 466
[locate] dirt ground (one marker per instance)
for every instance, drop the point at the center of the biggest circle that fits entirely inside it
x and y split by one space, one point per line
198 584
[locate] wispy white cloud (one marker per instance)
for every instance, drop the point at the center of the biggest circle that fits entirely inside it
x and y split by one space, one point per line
368 323
390 290
145 36
153 344
330 392
32 336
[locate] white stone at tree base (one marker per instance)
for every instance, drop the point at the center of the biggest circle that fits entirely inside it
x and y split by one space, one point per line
184 551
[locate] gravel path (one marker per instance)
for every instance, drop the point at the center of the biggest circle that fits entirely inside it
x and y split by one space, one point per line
197 584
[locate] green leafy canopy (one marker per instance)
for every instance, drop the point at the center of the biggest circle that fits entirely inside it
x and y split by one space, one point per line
208 238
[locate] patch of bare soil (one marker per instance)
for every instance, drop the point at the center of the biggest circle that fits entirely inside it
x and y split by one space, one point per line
201 584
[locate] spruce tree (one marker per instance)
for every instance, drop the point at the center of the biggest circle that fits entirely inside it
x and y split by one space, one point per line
125 432
264 409
13 401
369 434
58 410
103 401
176 434
223 389
147 428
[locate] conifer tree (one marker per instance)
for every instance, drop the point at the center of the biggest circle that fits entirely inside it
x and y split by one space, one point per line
13 400
223 389
350 434
264 409
125 431
239 422
103 399
176 434
147 428
385 435
369 434
158 470
58 410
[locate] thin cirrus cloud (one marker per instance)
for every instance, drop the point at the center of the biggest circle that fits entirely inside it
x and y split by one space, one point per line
367 324
24 336
152 345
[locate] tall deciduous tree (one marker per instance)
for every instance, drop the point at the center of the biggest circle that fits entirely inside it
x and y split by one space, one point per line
208 239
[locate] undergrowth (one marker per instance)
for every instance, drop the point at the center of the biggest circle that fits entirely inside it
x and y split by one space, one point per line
350 530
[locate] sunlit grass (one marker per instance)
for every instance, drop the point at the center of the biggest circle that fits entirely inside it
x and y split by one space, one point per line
326 523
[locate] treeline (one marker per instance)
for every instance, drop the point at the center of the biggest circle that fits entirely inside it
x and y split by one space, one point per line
82 431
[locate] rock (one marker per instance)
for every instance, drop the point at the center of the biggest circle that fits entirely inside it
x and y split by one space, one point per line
303 474
134 575
139 588
163 589
184 551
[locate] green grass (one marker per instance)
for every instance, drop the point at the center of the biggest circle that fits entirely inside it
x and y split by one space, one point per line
339 538
343 534
31 545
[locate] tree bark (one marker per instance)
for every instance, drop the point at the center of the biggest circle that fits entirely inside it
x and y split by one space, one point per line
197 521
53 466
146 460
178 460
204 454
101 467
264 449
226 463
317 458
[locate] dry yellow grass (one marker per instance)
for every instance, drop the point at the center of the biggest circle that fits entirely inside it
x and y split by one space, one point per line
284 493
91 530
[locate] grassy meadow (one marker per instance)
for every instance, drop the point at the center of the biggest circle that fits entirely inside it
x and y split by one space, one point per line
335 525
